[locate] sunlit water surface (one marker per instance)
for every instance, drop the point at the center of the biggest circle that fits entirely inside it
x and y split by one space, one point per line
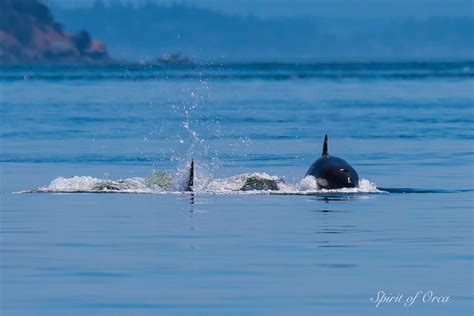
406 128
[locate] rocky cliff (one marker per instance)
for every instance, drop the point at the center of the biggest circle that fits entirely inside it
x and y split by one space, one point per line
29 34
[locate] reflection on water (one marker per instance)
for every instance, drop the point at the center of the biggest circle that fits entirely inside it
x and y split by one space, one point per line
341 197
327 224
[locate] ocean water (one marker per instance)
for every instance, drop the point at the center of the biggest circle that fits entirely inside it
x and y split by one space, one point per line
85 229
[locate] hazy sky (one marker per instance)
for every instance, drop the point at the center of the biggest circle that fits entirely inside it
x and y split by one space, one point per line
325 8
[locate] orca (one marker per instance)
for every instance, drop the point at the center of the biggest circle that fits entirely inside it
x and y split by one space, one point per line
190 184
333 172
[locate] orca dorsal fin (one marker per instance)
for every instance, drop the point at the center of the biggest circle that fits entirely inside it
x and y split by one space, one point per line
325 147
190 183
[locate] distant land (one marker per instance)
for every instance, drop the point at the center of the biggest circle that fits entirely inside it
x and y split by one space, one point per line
30 34
145 30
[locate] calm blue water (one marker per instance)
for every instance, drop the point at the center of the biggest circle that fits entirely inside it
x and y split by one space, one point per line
406 126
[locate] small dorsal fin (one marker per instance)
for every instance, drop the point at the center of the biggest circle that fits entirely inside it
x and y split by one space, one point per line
190 185
325 146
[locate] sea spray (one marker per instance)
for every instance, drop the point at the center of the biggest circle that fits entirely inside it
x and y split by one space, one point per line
161 182
191 142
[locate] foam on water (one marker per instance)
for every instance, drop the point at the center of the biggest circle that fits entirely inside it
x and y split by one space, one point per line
236 183
91 184
160 183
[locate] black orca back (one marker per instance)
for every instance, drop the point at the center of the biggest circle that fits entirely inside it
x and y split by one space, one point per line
190 184
325 147
333 172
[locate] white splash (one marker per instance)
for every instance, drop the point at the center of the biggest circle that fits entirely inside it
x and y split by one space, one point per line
236 183
76 183
91 184
248 183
